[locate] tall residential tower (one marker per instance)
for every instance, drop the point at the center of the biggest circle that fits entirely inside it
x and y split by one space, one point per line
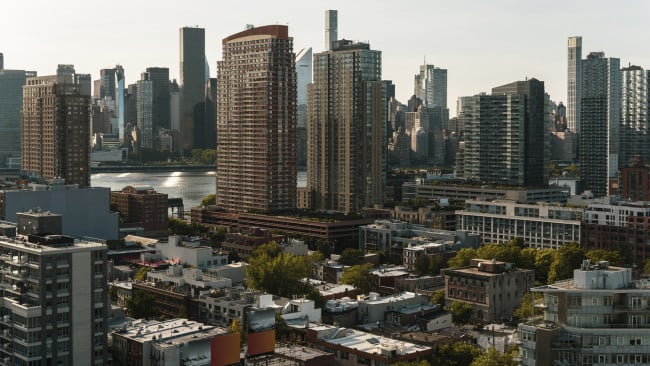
574 83
192 82
346 129
256 121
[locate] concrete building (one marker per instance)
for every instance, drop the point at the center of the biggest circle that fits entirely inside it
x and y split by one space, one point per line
508 124
11 103
600 122
187 279
574 83
599 317
85 211
256 120
56 129
634 134
493 288
169 342
192 82
633 180
540 226
393 237
374 308
54 305
346 157
142 206
190 253
434 190
331 28
304 78
354 347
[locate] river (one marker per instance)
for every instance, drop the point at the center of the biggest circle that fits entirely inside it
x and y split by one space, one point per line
190 186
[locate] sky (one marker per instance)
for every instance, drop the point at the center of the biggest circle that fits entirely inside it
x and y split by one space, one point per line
481 43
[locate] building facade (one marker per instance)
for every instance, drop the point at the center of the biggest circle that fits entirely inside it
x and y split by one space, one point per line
142 206
54 307
56 129
634 134
494 289
192 79
11 103
599 317
600 120
541 226
346 129
574 83
256 120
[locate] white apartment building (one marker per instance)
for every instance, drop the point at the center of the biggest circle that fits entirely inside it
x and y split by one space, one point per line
600 317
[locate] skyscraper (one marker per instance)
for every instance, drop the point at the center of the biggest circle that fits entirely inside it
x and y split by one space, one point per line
431 86
505 140
256 121
635 133
574 83
11 103
600 120
331 28
161 102
119 73
346 127
107 83
192 82
55 129
145 112
304 77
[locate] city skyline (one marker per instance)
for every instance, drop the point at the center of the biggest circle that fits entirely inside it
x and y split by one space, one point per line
475 41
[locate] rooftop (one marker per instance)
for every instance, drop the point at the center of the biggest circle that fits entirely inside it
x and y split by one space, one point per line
172 331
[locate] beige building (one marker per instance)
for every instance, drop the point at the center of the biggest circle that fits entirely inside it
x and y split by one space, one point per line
256 120
494 289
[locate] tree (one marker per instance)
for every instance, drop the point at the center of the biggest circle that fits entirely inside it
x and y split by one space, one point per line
492 357
276 272
359 277
569 257
438 298
112 293
462 258
422 264
456 354
142 305
461 312
141 275
544 258
351 257
613 257
209 200
524 311
412 363
646 266
233 256
209 157
437 264
236 327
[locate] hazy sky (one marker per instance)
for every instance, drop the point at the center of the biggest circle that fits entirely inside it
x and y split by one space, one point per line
482 43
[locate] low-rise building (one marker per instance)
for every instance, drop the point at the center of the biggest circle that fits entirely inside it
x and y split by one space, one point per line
169 342
392 237
187 279
190 252
599 317
431 190
354 347
375 309
493 288
540 225
142 206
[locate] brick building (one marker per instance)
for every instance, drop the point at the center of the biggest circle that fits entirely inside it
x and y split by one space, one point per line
142 206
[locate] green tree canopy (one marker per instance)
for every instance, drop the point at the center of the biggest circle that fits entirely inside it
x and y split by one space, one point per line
456 354
462 258
209 200
142 305
182 227
461 312
646 266
613 257
544 258
359 277
422 264
351 257
569 257
276 272
492 357
141 274
438 297
524 311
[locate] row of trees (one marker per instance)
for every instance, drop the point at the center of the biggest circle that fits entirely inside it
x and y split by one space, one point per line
463 354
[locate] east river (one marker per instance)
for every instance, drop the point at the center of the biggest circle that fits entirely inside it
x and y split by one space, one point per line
190 186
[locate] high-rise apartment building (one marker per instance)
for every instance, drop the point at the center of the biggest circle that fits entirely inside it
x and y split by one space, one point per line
600 120
256 121
192 81
11 103
144 109
161 99
346 129
574 83
635 133
107 83
120 94
56 129
304 78
54 308
331 28
505 141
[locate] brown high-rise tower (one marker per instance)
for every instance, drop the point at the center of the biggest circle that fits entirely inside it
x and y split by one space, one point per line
256 121
56 129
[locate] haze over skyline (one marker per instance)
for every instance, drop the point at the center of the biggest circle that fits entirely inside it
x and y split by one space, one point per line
482 44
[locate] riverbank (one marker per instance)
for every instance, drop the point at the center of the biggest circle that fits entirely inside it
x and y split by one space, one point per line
134 168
